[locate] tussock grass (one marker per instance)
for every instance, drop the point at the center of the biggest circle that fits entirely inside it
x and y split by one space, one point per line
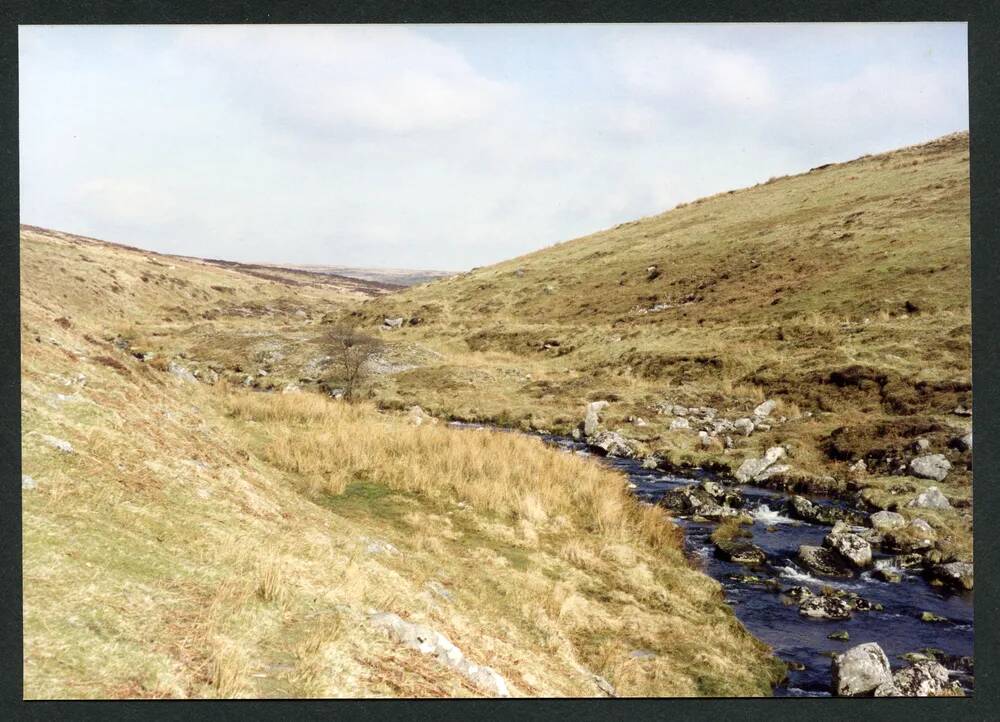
507 474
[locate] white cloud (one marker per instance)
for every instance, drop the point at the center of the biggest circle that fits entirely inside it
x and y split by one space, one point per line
690 71
344 78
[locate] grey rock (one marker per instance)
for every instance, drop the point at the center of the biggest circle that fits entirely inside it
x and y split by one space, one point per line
962 411
58 444
825 608
613 444
930 498
744 426
591 419
922 444
922 679
822 561
852 549
428 641
27 483
392 322
765 409
957 575
740 552
883 521
860 670
181 372
680 423
858 467
753 469
930 466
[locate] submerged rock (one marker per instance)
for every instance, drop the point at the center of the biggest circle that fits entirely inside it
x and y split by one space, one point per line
825 608
860 671
822 561
740 552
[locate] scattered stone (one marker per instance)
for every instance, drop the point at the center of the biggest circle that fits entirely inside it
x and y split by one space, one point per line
291 389
841 636
378 546
883 521
858 467
27 483
428 641
639 421
604 685
962 411
957 575
932 618
825 608
930 498
921 444
765 409
591 420
930 466
860 670
58 444
680 423
392 322
642 654
181 372
753 469
705 440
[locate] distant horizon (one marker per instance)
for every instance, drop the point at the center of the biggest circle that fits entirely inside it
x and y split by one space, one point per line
321 264
449 146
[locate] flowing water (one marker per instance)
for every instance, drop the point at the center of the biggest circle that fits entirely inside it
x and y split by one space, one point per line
771 617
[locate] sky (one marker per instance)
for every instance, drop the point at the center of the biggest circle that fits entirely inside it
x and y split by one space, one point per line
448 146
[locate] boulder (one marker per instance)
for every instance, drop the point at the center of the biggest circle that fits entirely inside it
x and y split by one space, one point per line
852 549
822 561
680 423
753 469
611 443
930 498
883 521
957 575
392 322
913 537
858 467
825 608
860 670
930 466
744 426
181 372
888 574
801 508
27 483
740 552
591 419
922 679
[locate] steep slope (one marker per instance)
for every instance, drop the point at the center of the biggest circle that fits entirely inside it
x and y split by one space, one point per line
841 293
185 536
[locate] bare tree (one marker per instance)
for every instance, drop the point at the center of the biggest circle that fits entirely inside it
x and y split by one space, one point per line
351 351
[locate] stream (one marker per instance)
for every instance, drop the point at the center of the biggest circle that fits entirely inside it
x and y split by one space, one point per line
772 618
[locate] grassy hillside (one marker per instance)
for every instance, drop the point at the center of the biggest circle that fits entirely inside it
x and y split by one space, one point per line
842 293
186 535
